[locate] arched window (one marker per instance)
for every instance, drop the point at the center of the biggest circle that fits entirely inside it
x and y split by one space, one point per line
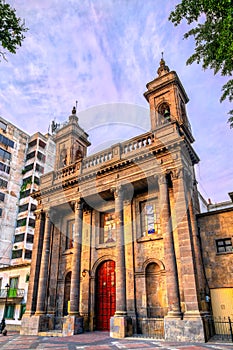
63 158
78 154
164 113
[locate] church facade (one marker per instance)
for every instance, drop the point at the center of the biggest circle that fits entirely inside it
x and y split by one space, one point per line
116 237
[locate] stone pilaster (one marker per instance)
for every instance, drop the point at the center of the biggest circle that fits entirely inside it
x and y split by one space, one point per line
44 269
120 323
200 275
184 237
169 250
191 326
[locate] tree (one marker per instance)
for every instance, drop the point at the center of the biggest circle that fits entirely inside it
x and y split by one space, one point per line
12 29
213 35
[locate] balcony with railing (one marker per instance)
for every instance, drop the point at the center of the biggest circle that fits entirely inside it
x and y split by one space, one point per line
11 293
118 151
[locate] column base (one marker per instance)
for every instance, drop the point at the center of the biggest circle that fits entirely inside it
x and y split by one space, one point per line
32 325
121 327
190 328
72 325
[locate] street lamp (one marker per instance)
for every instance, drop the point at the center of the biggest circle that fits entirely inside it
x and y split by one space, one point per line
7 291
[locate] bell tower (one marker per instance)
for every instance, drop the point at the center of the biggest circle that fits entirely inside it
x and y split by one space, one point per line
167 99
71 141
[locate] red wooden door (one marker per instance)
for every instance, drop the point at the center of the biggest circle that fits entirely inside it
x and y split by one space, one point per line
105 295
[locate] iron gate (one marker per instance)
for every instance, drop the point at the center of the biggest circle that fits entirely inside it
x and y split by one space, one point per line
220 328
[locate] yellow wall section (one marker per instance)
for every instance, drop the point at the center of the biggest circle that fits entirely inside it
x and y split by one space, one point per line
222 302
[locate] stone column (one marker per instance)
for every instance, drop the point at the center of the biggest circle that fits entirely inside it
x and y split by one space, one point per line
120 254
28 324
44 267
169 250
73 323
35 264
120 324
76 260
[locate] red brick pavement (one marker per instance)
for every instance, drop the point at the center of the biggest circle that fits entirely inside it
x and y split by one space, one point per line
98 341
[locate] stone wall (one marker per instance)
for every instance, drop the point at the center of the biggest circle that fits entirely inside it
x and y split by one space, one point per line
218 266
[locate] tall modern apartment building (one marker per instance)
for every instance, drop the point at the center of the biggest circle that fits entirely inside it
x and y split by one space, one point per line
13 146
39 160
23 159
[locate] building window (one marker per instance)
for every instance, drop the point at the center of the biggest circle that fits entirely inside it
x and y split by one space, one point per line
28 167
164 112
107 228
32 143
22 310
21 222
42 144
0 212
3 125
28 254
9 311
23 208
31 155
33 207
70 234
4 167
224 245
41 157
19 238
24 194
13 287
27 277
39 168
4 155
150 220
5 141
31 223
30 238
17 254
36 180
3 183
2 196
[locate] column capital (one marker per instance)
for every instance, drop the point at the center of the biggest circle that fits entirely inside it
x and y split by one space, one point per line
162 178
38 214
118 191
49 214
78 204
181 173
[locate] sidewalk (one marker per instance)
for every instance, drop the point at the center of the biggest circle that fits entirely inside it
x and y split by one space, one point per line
99 341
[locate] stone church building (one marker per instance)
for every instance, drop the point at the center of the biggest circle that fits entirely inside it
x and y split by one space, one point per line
116 238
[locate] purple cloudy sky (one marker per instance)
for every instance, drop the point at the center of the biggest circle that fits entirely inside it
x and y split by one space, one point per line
102 53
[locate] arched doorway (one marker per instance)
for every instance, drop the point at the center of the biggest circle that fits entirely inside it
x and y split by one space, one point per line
155 291
66 293
105 298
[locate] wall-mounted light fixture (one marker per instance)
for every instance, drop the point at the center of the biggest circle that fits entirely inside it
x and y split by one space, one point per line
84 272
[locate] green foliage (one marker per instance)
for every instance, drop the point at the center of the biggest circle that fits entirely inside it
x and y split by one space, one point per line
12 29
213 35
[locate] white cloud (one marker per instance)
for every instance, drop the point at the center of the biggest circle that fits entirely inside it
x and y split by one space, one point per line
101 52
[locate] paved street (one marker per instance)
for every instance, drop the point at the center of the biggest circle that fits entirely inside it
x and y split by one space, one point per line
99 341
